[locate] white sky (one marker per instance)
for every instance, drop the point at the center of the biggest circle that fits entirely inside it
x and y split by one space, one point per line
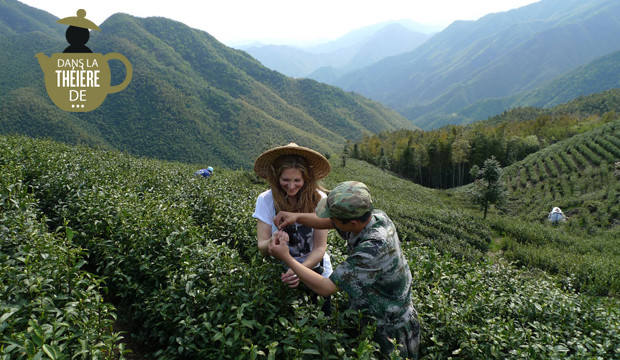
283 21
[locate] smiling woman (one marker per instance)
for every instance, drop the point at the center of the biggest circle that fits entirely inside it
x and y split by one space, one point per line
291 181
292 172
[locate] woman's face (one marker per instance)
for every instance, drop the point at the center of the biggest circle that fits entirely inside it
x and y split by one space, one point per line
291 181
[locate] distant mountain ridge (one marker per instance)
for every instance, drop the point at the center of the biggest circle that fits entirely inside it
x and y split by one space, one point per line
599 75
497 56
352 51
191 99
18 18
390 40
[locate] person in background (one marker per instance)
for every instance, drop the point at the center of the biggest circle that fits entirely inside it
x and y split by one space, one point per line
292 172
206 173
556 216
375 274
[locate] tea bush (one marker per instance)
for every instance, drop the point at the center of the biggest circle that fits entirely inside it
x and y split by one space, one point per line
177 255
51 307
592 262
586 190
481 311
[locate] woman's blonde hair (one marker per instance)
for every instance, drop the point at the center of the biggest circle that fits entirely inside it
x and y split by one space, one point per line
307 197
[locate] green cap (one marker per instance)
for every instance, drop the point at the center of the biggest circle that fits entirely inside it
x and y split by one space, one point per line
349 200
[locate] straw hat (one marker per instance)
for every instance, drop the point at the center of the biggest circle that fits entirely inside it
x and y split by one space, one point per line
79 21
317 162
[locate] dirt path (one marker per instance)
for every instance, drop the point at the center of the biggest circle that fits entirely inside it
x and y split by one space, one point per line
137 350
495 252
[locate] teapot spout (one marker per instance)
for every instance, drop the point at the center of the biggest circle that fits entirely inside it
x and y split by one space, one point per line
43 59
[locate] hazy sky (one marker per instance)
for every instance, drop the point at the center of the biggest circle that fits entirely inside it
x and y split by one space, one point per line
278 21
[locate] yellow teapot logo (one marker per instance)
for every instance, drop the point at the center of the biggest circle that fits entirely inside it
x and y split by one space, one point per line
78 80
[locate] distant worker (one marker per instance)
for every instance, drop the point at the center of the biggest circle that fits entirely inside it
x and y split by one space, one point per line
205 172
556 215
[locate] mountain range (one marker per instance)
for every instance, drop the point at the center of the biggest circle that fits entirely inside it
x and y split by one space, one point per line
354 50
594 77
542 54
191 99
497 56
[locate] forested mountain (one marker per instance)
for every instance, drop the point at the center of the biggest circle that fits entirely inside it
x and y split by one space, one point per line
17 18
191 98
391 40
442 158
107 254
352 51
597 76
496 56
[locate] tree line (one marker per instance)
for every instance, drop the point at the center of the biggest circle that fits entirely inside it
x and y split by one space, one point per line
443 158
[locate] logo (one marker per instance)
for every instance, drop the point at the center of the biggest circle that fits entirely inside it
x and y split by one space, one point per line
77 79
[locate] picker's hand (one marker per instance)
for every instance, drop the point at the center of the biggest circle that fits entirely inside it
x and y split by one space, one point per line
290 278
278 247
285 218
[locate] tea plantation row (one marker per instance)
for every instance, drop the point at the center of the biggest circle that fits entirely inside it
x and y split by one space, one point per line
176 257
580 176
567 173
49 306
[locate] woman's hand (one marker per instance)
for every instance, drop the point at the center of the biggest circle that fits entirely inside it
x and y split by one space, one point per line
278 246
290 278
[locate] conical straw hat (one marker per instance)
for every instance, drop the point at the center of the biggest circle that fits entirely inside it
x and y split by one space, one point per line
318 163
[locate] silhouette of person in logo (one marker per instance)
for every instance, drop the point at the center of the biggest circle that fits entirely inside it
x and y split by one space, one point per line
78 32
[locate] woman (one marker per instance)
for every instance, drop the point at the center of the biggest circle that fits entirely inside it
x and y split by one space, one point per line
292 172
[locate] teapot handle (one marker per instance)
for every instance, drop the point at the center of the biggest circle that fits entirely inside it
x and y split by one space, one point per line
129 70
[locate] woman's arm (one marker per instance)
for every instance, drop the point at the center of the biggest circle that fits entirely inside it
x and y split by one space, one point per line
263 236
318 248
319 284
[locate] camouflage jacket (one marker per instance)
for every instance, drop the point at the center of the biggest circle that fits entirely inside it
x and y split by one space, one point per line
376 274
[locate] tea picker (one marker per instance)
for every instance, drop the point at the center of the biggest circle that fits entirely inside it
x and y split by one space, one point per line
78 32
205 172
556 215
